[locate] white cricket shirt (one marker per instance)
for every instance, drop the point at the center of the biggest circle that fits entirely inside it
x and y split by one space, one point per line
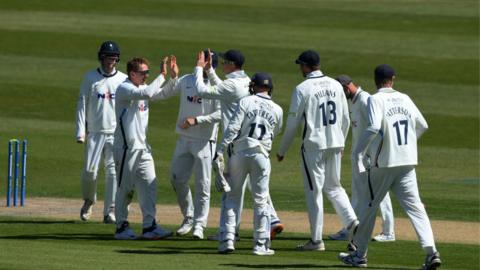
229 91
320 105
358 114
206 111
257 120
96 102
132 113
399 123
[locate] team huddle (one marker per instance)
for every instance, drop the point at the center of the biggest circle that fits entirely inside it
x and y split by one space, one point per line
112 120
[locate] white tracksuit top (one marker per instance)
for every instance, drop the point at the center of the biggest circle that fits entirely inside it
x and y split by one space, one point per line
256 121
207 111
399 124
132 113
358 114
318 103
96 102
229 91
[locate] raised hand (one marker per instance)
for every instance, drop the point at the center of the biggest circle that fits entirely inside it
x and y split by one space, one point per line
201 60
208 63
163 67
174 70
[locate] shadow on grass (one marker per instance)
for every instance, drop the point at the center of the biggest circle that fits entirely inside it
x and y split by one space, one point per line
37 222
302 265
63 237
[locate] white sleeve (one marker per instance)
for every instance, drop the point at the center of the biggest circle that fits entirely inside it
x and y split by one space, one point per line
213 77
131 93
213 91
345 117
295 116
279 126
420 123
171 88
214 117
375 114
233 128
82 108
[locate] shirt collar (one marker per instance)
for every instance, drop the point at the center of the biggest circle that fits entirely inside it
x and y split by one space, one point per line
236 74
314 74
260 95
104 74
386 90
359 89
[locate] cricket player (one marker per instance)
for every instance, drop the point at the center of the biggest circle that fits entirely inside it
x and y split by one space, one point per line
229 92
257 120
357 103
319 104
95 126
394 126
197 126
133 158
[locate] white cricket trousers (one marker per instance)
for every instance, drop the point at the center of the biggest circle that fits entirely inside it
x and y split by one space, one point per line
321 173
359 187
193 155
257 165
239 206
135 171
98 144
403 182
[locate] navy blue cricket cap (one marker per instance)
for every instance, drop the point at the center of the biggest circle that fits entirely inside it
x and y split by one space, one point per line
262 79
383 72
344 80
214 58
234 56
309 58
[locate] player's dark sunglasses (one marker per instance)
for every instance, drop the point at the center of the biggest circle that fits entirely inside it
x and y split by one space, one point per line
143 72
226 62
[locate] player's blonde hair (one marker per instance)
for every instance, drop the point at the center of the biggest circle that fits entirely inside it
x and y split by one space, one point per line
134 64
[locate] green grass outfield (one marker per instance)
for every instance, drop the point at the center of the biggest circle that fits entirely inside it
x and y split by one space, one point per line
63 244
47 46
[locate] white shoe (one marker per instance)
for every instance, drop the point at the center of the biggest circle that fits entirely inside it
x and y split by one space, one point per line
216 237
352 229
110 217
262 250
312 246
86 210
198 233
352 259
186 226
340 235
156 232
226 247
384 237
125 233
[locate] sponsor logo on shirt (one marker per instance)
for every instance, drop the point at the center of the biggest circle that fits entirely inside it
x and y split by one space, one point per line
107 95
194 99
143 107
